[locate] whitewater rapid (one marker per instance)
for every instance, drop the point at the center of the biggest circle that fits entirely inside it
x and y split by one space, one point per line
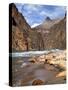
32 53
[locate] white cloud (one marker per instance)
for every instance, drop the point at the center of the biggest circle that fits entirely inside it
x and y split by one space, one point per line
35 24
29 12
42 13
31 7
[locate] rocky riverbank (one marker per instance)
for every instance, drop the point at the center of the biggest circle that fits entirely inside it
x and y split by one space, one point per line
40 70
55 58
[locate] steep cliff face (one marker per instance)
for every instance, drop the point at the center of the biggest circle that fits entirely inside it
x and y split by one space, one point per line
18 40
23 38
19 19
20 30
55 35
36 40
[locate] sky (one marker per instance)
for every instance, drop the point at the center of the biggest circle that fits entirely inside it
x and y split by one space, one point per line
35 14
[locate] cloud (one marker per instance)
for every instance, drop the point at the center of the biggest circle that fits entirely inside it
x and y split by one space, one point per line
35 24
30 7
42 13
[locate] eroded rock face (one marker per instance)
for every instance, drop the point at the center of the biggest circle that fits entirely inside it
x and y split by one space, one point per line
19 42
53 36
23 38
19 29
19 19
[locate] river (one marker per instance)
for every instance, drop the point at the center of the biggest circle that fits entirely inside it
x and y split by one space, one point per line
25 72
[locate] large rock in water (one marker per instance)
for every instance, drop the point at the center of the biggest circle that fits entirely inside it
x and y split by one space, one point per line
38 82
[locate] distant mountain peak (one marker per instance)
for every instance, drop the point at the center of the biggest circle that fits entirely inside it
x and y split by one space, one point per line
48 19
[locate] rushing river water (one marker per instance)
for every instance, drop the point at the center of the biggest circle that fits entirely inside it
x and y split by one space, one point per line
32 53
25 72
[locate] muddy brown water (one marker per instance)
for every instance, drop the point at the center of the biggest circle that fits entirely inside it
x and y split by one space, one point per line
25 72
